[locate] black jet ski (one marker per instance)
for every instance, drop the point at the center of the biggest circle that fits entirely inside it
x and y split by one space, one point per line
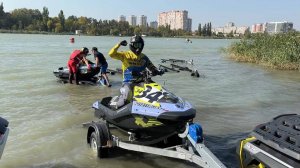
84 75
272 144
153 115
3 134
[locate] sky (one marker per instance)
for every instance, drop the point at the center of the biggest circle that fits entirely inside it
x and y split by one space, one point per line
218 12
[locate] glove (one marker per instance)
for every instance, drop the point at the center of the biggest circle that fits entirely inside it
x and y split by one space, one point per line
123 43
161 72
158 72
89 67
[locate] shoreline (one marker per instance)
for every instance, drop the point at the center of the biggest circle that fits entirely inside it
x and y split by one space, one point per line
73 34
281 66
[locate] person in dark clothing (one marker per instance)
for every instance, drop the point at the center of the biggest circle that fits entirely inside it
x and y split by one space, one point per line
101 63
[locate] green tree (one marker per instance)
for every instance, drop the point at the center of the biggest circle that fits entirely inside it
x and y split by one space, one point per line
50 25
247 34
137 30
24 17
58 28
2 10
204 30
93 28
61 18
45 16
209 29
71 24
199 30
83 23
2 13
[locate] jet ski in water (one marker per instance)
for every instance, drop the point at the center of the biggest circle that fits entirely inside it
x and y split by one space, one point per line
3 134
152 115
84 74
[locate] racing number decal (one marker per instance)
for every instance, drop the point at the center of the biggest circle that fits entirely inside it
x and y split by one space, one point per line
150 95
144 93
154 96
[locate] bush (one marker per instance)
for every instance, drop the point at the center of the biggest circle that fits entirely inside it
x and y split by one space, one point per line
280 51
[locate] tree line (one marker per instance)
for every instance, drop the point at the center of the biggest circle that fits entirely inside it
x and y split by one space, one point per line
205 30
35 20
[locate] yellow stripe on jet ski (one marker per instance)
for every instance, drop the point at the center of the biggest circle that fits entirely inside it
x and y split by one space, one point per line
150 123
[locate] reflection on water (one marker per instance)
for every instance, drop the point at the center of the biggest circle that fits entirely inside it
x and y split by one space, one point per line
46 116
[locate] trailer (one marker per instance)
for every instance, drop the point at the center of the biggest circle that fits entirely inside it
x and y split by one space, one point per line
177 65
194 150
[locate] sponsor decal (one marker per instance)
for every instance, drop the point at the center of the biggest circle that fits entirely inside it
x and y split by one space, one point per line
147 105
146 122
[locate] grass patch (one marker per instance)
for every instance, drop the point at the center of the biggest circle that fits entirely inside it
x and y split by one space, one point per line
279 51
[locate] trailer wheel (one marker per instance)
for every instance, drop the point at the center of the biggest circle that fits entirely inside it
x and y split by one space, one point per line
96 146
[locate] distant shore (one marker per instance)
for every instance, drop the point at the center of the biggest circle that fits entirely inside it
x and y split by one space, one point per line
32 32
73 34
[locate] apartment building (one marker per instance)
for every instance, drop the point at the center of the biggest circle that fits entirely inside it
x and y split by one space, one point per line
278 27
122 18
230 28
176 20
258 28
143 20
154 24
272 27
132 20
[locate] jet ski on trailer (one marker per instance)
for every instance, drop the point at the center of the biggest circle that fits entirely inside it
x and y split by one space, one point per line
153 116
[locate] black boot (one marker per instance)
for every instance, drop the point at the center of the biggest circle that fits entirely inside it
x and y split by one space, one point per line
76 79
70 78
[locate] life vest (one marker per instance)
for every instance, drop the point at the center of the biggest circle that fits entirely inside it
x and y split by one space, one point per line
75 56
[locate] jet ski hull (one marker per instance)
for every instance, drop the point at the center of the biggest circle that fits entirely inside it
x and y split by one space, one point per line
145 127
84 75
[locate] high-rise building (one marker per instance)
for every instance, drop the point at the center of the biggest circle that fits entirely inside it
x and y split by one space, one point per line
143 20
189 24
154 24
122 18
229 24
258 28
132 20
176 20
278 27
231 28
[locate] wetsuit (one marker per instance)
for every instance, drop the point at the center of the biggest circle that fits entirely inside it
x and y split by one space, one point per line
132 64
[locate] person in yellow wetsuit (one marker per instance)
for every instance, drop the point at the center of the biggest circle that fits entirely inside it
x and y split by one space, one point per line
133 63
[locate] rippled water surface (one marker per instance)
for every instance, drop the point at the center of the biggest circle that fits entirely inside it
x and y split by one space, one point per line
46 116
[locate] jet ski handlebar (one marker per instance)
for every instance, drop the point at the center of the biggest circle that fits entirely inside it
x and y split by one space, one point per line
145 76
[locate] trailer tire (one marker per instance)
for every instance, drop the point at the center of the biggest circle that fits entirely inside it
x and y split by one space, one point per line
96 145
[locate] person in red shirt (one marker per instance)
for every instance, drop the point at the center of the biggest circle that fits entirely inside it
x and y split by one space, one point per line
76 58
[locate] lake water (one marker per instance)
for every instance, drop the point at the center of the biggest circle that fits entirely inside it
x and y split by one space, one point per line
46 116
